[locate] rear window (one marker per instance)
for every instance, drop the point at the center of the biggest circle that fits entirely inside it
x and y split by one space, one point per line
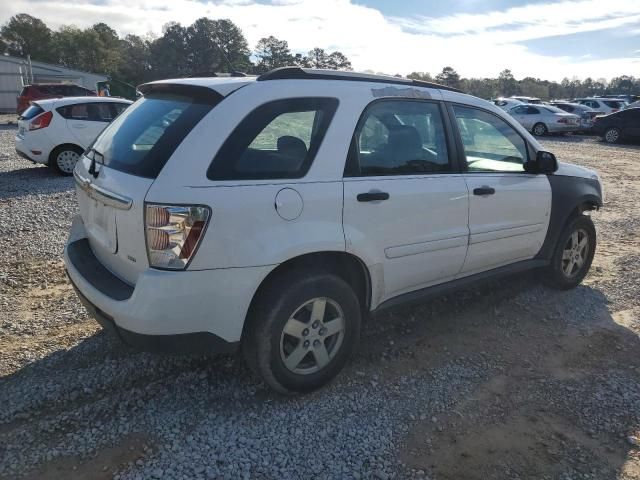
613 104
145 135
31 112
276 140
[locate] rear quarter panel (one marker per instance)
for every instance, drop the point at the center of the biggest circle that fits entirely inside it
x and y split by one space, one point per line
245 228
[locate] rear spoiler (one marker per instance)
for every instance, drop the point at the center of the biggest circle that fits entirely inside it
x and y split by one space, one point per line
198 93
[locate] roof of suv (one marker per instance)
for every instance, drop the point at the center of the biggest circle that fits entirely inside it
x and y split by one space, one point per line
225 85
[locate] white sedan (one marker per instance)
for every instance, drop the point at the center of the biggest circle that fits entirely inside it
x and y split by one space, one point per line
56 131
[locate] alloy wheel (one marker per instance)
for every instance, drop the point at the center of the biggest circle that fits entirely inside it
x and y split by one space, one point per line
612 135
575 253
539 129
312 336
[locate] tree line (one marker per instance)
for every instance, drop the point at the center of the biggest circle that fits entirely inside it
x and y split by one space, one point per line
506 85
208 46
204 47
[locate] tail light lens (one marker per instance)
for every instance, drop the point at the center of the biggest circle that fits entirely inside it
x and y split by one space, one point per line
41 121
173 233
563 120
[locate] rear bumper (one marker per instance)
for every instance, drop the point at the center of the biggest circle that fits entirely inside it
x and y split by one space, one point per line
179 312
27 148
198 342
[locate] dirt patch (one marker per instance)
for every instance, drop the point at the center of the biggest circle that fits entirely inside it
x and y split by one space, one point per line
101 467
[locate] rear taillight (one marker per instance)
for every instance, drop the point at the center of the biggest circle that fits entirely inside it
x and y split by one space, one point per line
173 233
41 121
563 120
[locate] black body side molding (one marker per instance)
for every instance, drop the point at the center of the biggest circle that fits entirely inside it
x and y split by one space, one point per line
567 195
421 295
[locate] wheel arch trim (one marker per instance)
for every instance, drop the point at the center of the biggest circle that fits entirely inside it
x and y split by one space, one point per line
570 196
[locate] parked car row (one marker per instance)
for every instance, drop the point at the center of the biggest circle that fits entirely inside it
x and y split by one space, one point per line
611 118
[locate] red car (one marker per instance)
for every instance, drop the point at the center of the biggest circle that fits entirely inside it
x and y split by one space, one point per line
39 91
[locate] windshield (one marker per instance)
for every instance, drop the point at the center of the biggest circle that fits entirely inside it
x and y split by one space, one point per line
145 135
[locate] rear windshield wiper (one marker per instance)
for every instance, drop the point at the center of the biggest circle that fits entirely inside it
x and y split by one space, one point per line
92 167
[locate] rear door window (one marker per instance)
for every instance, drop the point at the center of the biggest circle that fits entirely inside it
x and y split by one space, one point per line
276 140
78 111
100 112
145 135
118 108
400 137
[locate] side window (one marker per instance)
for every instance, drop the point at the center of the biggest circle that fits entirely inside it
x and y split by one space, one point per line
490 143
532 111
117 108
276 140
100 112
520 110
79 111
400 137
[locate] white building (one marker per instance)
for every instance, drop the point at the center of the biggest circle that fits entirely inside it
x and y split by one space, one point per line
17 72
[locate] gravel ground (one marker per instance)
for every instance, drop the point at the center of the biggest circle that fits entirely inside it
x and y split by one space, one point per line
509 380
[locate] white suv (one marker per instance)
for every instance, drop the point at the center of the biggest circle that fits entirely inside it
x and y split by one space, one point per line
56 131
275 213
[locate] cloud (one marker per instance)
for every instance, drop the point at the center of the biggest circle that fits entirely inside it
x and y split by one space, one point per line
475 44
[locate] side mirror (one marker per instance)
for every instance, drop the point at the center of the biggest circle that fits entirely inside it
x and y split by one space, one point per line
545 163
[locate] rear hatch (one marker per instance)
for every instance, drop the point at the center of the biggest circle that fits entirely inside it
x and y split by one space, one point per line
29 114
115 173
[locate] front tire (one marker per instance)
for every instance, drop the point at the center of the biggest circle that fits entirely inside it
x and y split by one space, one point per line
63 159
539 129
612 135
573 254
301 331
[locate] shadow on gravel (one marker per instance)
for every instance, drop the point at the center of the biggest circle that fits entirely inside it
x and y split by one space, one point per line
509 380
32 180
563 402
9 126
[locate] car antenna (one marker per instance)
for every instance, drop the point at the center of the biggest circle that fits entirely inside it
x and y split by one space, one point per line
232 71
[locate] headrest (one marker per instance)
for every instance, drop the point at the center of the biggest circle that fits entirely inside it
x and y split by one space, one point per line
292 147
404 137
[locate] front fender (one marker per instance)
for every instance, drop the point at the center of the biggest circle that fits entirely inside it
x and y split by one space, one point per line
569 195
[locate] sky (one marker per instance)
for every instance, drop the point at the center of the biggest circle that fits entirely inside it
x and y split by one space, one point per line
479 38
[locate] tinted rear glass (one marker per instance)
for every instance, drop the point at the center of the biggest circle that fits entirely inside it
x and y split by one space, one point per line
613 104
31 112
145 135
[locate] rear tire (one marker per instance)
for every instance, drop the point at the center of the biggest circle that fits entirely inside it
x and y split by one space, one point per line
539 129
301 331
64 158
612 135
573 254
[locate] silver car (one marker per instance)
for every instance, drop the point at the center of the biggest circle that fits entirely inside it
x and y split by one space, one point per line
543 119
586 114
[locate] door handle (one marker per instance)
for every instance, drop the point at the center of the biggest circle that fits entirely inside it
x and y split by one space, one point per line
372 196
484 190
79 126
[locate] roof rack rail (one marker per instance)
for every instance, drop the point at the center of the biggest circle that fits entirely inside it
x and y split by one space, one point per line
209 73
299 73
